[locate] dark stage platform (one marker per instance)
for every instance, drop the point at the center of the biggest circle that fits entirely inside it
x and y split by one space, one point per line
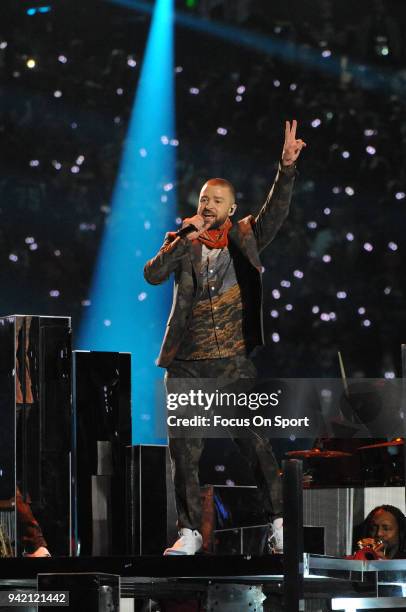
158 576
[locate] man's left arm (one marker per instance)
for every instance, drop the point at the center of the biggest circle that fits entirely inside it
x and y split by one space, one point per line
276 207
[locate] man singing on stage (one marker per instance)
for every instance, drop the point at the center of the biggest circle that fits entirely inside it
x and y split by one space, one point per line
216 322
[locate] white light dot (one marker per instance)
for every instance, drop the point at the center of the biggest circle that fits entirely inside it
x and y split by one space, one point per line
366 323
219 468
336 190
345 154
194 91
393 246
361 310
80 160
298 274
142 296
222 131
312 224
74 125
147 225
316 123
327 211
57 253
293 87
276 294
107 322
34 163
370 132
400 195
3 44
33 246
274 314
54 293
178 220
168 187
349 190
165 140
276 337
119 91
289 307
13 257
349 236
370 150
117 120
174 142
387 290
86 303
333 316
341 295
389 374
131 62
31 63
164 198
276 83
326 258
325 316
56 164
143 152
315 310
285 283
75 169
326 53
58 93
29 240
178 69
368 247
238 98
62 58
241 89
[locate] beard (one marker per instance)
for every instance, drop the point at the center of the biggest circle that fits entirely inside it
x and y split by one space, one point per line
218 223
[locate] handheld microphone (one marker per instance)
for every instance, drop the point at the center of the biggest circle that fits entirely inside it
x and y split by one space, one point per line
184 231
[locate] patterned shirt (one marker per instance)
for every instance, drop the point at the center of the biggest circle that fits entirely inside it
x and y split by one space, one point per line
215 327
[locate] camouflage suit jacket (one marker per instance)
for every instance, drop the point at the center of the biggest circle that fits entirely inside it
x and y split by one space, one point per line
247 239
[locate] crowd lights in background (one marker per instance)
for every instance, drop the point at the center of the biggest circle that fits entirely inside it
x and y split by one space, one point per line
38 10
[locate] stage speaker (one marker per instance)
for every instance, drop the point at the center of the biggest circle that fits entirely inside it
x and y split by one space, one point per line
146 499
87 592
102 423
35 433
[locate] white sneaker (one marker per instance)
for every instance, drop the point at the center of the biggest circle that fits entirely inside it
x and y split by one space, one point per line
189 543
40 552
276 538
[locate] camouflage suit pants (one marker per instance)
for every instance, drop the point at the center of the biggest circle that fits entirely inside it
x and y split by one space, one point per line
186 452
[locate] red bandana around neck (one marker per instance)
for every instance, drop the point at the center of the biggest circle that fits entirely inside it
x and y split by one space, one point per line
216 238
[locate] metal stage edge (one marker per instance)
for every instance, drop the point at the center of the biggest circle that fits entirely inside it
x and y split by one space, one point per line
159 576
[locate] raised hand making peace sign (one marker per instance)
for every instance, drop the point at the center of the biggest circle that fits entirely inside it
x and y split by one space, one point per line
292 146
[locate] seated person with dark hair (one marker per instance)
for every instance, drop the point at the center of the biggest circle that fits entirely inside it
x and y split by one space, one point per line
383 536
384 532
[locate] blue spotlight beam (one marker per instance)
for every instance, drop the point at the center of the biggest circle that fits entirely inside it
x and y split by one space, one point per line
366 77
125 314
